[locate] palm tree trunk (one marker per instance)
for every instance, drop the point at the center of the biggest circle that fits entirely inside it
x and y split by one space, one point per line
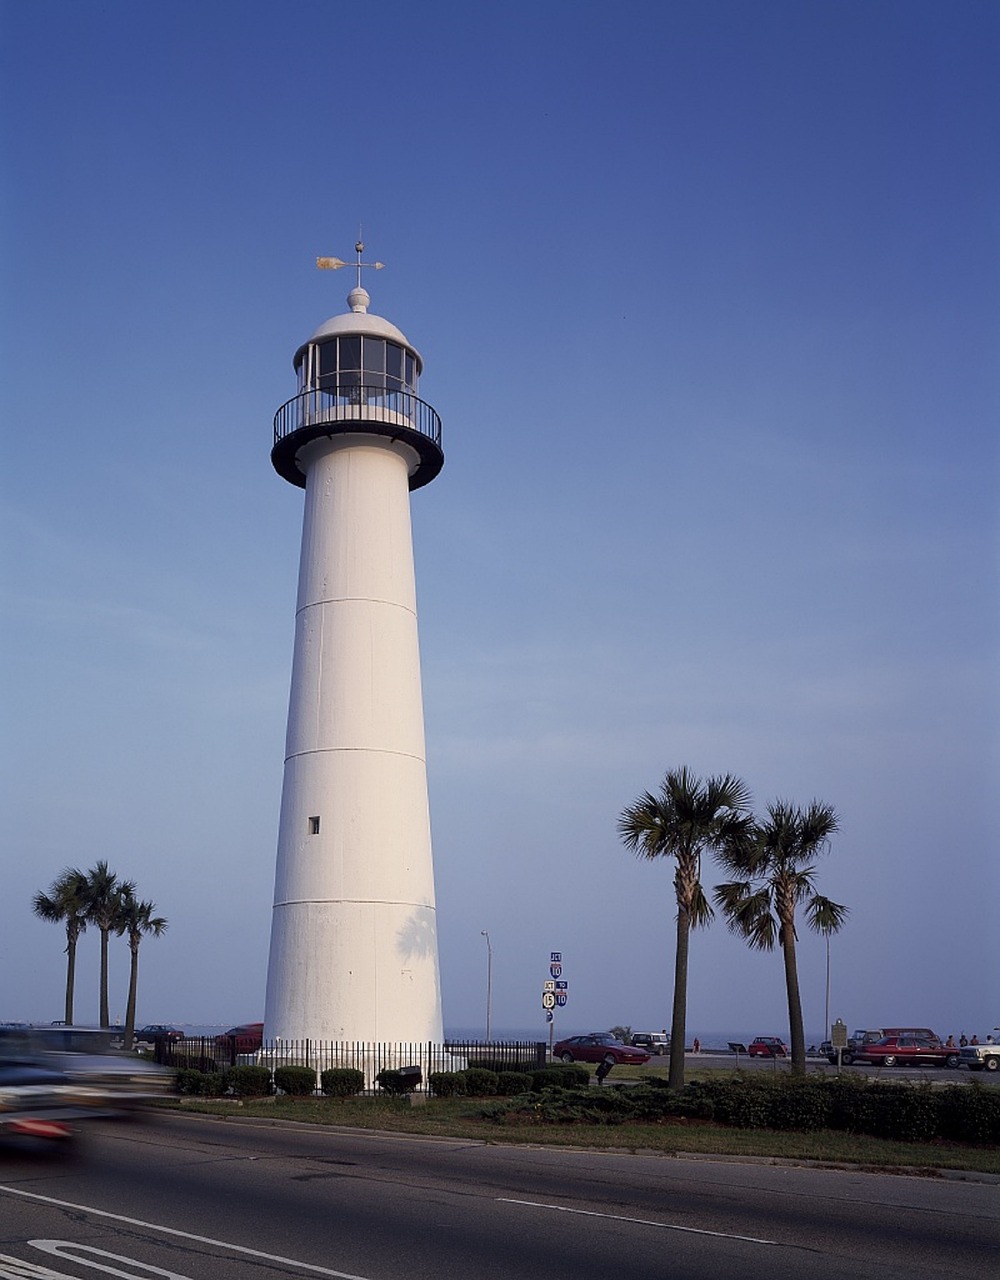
105 1017
678 1020
71 936
133 979
796 1033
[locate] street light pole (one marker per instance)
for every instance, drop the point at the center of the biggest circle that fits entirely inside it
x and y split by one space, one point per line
826 1026
489 979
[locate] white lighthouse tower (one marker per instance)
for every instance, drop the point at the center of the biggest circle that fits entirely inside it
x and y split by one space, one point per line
354 953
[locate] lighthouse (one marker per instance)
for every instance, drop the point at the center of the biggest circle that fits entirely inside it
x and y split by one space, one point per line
354 953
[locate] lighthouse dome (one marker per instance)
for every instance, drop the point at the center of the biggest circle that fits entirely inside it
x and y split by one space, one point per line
359 321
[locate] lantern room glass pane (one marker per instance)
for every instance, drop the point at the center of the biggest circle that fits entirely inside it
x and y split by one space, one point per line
394 365
350 353
374 355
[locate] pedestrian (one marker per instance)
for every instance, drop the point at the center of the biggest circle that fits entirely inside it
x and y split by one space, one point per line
975 1039
962 1041
697 1045
950 1042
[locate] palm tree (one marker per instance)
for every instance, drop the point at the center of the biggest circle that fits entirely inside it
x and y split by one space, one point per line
66 902
104 907
685 820
776 874
135 920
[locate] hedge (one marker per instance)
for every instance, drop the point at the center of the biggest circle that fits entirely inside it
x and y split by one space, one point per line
883 1109
341 1082
447 1084
297 1082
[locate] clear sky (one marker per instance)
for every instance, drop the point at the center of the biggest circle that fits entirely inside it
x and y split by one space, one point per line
707 294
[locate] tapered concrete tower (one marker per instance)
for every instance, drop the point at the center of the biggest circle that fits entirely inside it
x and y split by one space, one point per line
354 935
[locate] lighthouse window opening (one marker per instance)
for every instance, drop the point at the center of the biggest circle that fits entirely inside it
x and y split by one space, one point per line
314 826
343 364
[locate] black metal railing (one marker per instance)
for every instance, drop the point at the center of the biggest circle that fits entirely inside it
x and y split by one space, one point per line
368 403
215 1053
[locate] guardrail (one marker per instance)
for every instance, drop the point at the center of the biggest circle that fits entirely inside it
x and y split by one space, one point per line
366 403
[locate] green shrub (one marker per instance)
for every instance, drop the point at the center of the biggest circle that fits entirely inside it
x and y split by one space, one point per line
204 1084
800 1102
907 1113
341 1082
395 1083
447 1084
480 1083
970 1113
248 1081
297 1082
511 1083
571 1076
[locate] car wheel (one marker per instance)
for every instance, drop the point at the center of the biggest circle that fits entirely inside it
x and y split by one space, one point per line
846 1059
889 1060
951 1060
992 1063
565 1057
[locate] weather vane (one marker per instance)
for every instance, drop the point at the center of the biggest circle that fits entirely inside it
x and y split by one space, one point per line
334 264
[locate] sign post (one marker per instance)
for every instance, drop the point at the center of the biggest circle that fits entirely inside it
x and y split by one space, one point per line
554 993
838 1038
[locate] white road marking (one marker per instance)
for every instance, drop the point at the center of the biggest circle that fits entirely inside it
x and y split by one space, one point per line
183 1235
642 1222
69 1250
16 1269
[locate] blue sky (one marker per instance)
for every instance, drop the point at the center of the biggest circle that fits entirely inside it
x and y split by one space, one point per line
708 299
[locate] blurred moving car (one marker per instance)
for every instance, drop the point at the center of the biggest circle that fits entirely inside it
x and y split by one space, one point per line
157 1031
767 1047
90 1059
246 1038
36 1101
901 1051
654 1041
599 1046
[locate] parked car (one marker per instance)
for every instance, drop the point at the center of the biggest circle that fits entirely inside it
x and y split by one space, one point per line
978 1057
246 1038
899 1051
157 1031
654 1041
767 1047
599 1046
36 1100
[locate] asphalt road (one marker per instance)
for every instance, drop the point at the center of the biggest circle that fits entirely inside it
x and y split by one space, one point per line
193 1198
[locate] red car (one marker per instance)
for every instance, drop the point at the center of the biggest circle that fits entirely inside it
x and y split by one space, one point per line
899 1051
600 1046
246 1038
767 1047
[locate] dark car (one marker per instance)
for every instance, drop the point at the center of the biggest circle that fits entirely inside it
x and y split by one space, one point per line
599 1046
899 1051
93 1061
246 1038
37 1101
767 1047
157 1031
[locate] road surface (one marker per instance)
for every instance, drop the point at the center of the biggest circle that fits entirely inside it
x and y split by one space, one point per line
181 1197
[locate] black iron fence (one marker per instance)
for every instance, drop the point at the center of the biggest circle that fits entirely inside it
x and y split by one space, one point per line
218 1052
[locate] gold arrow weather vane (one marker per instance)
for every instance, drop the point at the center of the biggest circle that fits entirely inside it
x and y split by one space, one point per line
334 264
